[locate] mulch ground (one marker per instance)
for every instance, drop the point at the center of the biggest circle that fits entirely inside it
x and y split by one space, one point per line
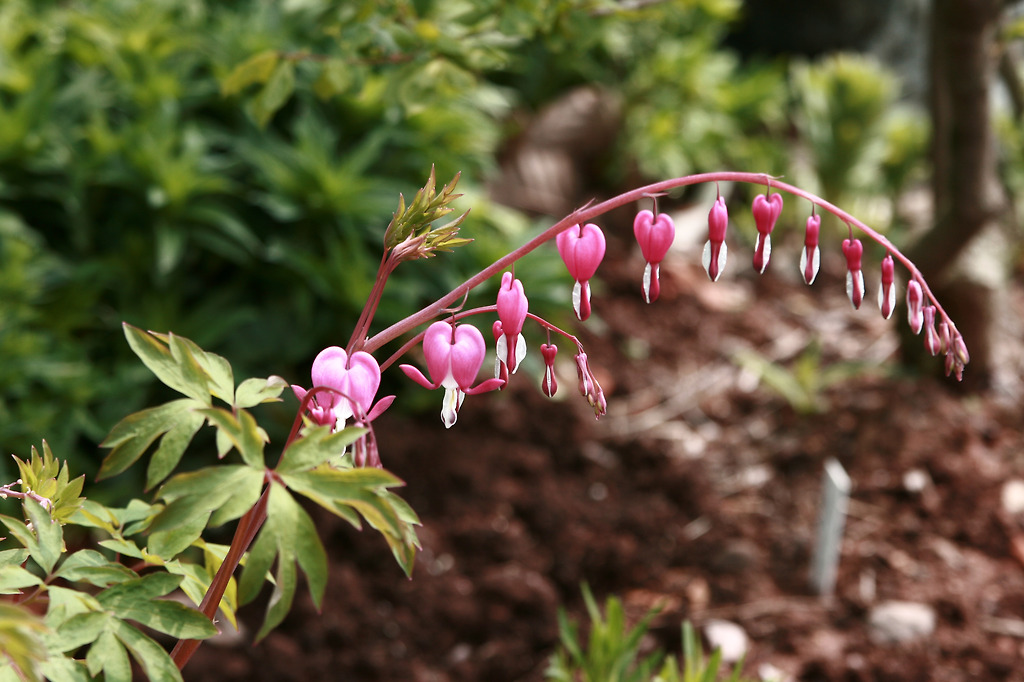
699 490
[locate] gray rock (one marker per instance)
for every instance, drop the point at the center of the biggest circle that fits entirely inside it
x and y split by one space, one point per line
896 622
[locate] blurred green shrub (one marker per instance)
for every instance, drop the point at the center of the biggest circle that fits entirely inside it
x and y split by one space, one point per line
226 170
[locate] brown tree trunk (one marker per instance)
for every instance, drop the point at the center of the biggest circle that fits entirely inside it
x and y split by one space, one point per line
967 192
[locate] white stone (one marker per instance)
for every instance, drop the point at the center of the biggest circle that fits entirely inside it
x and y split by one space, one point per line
895 622
1013 496
727 636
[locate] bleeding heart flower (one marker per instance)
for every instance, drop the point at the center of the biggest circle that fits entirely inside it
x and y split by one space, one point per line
915 299
715 250
655 235
549 385
353 381
853 250
582 249
512 308
766 212
887 292
810 257
454 355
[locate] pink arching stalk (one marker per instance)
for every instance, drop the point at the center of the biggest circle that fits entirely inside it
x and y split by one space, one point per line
592 211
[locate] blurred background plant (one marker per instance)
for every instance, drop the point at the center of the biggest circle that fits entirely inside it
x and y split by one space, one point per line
611 652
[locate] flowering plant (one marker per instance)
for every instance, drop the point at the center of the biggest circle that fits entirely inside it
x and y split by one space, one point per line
69 611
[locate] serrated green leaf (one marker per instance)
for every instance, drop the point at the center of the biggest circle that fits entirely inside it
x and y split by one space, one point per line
255 69
88 565
177 374
109 656
243 431
316 446
172 447
155 662
14 578
254 391
134 434
274 94
49 535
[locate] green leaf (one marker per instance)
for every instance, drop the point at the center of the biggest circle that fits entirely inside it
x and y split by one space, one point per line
79 630
66 603
335 78
21 641
274 94
13 557
172 542
172 447
88 565
181 373
243 432
217 369
49 533
61 669
14 578
316 446
255 391
289 534
108 655
227 491
155 662
255 69
137 600
133 435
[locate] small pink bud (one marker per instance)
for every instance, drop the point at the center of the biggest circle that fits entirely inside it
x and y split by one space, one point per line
766 212
944 338
655 235
960 348
549 385
810 258
853 250
931 339
582 249
715 250
887 292
915 299
589 386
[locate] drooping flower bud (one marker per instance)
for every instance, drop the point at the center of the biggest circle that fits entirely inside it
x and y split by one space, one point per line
915 299
853 250
887 292
810 257
589 386
512 308
549 385
931 339
715 250
960 348
582 249
944 338
766 212
655 235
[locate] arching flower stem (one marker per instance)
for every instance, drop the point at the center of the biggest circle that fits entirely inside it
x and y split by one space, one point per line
591 211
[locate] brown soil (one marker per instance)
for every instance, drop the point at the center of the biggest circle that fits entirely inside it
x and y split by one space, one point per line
700 490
